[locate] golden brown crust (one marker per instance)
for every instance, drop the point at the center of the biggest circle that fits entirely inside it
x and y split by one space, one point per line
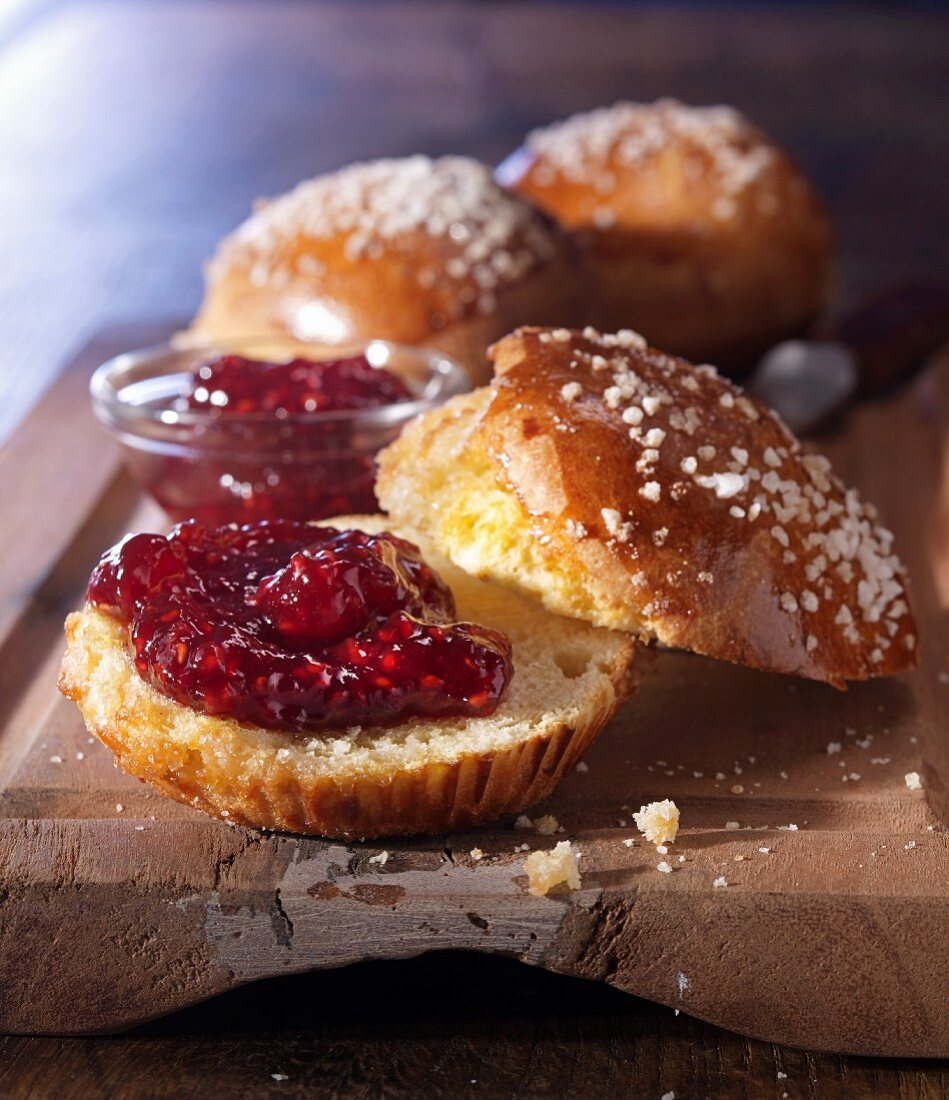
702 233
417 777
655 497
421 252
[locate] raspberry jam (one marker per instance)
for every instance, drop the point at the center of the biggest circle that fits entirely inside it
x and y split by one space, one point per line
297 627
235 384
261 447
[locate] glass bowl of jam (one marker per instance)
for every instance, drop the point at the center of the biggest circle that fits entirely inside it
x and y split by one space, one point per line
258 430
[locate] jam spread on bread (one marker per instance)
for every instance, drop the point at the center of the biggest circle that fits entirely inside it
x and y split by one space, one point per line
297 627
264 448
233 384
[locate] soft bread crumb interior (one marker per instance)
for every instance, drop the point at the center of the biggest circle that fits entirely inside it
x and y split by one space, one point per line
446 488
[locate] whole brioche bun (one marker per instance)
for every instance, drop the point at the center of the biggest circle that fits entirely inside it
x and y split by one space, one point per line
701 232
628 488
417 251
417 776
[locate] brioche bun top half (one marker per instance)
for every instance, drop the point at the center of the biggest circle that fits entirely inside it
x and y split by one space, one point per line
627 487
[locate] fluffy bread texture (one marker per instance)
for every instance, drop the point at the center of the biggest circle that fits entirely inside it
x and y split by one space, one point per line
701 232
431 253
628 488
418 776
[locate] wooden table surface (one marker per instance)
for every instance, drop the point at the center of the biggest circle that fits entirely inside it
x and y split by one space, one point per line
134 134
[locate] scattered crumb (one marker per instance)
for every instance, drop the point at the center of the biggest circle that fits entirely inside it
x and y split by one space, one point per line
737 788
912 780
664 867
782 1076
720 881
765 851
739 859
119 807
669 1095
783 775
80 755
523 822
682 859
731 825
658 821
583 767
832 747
547 825
522 848
56 760
662 850
380 858
280 1077
912 844
476 854
629 842
140 828
548 869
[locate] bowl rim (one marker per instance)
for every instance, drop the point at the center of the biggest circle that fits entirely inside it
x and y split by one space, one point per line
123 416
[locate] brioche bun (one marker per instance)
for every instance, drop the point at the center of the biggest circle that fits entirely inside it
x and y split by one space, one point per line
417 251
628 488
418 776
701 232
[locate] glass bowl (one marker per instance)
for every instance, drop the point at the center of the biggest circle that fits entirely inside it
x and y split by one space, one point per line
242 467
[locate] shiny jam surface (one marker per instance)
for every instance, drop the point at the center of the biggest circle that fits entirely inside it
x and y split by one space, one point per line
275 466
234 384
297 627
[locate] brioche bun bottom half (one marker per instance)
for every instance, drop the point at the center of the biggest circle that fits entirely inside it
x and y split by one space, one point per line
417 776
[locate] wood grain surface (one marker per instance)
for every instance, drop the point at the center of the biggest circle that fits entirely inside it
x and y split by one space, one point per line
139 133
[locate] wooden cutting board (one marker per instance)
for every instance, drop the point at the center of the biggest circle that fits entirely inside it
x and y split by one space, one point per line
117 905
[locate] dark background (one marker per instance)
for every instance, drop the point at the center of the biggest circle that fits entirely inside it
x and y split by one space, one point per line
134 133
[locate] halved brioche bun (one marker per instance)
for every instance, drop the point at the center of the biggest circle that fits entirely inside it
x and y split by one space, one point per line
418 776
426 252
628 488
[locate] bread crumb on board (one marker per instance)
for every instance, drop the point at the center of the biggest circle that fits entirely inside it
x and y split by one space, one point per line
545 826
913 781
658 821
545 870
